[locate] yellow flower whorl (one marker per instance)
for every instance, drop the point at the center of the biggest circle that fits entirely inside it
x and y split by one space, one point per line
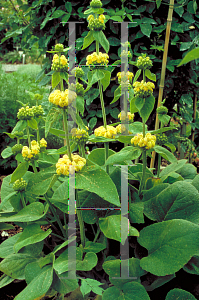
62 99
59 63
110 132
148 141
65 166
31 154
143 89
95 59
122 116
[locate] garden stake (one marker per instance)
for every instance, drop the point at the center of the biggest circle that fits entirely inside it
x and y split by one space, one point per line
164 62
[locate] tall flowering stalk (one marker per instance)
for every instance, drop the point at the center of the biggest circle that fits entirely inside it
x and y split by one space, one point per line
96 25
144 101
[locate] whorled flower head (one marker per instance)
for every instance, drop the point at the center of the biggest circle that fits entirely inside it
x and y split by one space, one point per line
148 141
42 144
17 148
62 99
95 59
59 47
79 135
96 4
143 89
162 110
96 24
161 139
122 76
25 113
65 166
59 63
77 72
144 62
38 111
78 88
110 132
19 185
31 154
124 54
122 116
121 128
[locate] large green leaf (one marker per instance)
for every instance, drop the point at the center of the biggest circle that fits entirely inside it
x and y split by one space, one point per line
62 284
88 40
93 247
127 153
178 201
40 183
61 196
39 285
195 182
165 153
32 234
172 168
117 95
180 295
97 181
50 119
192 266
193 54
146 108
80 104
110 226
32 212
188 171
146 29
7 152
106 80
19 171
95 76
7 247
32 123
13 265
136 212
170 246
101 38
62 264
129 290
98 156
5 280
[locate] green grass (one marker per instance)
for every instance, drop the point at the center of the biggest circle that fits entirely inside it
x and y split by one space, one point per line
15 86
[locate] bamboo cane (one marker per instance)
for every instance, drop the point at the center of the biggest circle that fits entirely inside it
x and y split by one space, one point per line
164 62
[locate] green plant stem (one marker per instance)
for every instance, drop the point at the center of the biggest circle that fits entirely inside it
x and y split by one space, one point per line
66 133
55 215
143 172
106 146
102 104
97 234
23 200
18 141
159 163
34 167
159 159
144 156
62 84
83 150
28 134
38 136
58 236
81 222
